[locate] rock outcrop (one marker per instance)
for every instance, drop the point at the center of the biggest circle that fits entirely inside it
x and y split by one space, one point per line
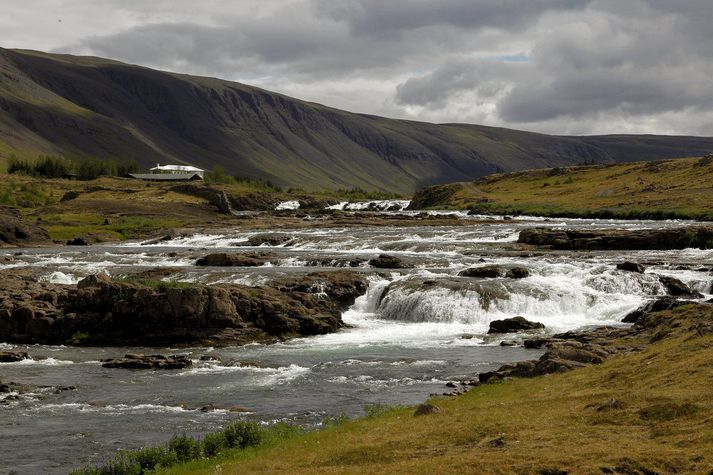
678 289
631 267
267 239
514 325
620 239
131 361
15 231
386 261
576 349
100 311
223 259
12 356
494 271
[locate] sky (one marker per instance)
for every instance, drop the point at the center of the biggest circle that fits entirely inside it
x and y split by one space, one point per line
552 66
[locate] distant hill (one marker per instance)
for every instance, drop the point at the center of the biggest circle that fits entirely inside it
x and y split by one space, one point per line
93 107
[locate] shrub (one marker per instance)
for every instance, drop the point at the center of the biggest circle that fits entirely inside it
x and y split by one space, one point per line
214 443
185 448
243 434
149 458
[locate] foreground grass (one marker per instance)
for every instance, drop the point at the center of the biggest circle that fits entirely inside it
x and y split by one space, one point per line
662 422
681 188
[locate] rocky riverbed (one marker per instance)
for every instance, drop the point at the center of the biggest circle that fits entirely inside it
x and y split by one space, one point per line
189 331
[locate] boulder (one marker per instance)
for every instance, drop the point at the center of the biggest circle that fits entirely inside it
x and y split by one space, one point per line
677 288
631 267
131 361
517 273
94 280
77 241
513 325
385 261
658 305
267 239
223 259
483 272
12 356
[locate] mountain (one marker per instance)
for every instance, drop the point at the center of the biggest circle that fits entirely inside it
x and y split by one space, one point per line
93 107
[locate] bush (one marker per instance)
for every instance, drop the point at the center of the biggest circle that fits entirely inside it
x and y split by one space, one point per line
243 434
214 443
149 458
185 448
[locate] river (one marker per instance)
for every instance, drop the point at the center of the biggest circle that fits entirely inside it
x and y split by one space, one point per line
402 344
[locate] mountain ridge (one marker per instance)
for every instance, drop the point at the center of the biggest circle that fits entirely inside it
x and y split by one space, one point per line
81 106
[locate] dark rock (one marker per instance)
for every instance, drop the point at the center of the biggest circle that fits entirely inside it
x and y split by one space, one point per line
512 325
269 239
94 280
78 241
425 409
508 343
631 267
658 305
517 273
130 361
15 231
12 356
484 272
385 261
107 312
232 260
619 239
68 196
677 288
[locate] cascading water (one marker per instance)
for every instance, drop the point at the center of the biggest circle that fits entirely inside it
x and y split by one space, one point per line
416 327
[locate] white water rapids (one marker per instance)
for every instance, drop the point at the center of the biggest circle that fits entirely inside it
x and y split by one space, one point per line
415 329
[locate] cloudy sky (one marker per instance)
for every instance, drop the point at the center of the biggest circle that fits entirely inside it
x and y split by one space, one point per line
555 66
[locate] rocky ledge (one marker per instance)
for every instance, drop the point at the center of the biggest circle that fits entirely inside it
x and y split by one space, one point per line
102 311
131 361
619 239
652 322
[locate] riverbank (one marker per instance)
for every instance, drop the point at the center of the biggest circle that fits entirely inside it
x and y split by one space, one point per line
646 409
669 189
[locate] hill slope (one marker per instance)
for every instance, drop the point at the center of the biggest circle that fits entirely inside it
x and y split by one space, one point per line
680 188
85 106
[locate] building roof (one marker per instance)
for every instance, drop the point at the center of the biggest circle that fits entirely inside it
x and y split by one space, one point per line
165 176
176 168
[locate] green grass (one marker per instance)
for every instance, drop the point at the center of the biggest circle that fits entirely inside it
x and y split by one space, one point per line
63 226
232 441
662 422
671 189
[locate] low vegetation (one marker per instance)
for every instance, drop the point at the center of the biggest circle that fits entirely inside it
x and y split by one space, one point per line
47 166
669 189
235 438
643 412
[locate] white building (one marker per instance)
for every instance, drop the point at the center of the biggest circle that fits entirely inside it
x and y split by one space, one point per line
177 169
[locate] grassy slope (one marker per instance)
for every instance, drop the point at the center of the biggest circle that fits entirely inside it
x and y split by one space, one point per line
673 188
110 209
546 423
94 107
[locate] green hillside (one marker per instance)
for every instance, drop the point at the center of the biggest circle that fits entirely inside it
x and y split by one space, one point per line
93 107
680 188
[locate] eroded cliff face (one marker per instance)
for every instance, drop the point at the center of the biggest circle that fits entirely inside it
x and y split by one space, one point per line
101 311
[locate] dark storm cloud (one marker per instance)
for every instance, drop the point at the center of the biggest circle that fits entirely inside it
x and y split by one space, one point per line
562 66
